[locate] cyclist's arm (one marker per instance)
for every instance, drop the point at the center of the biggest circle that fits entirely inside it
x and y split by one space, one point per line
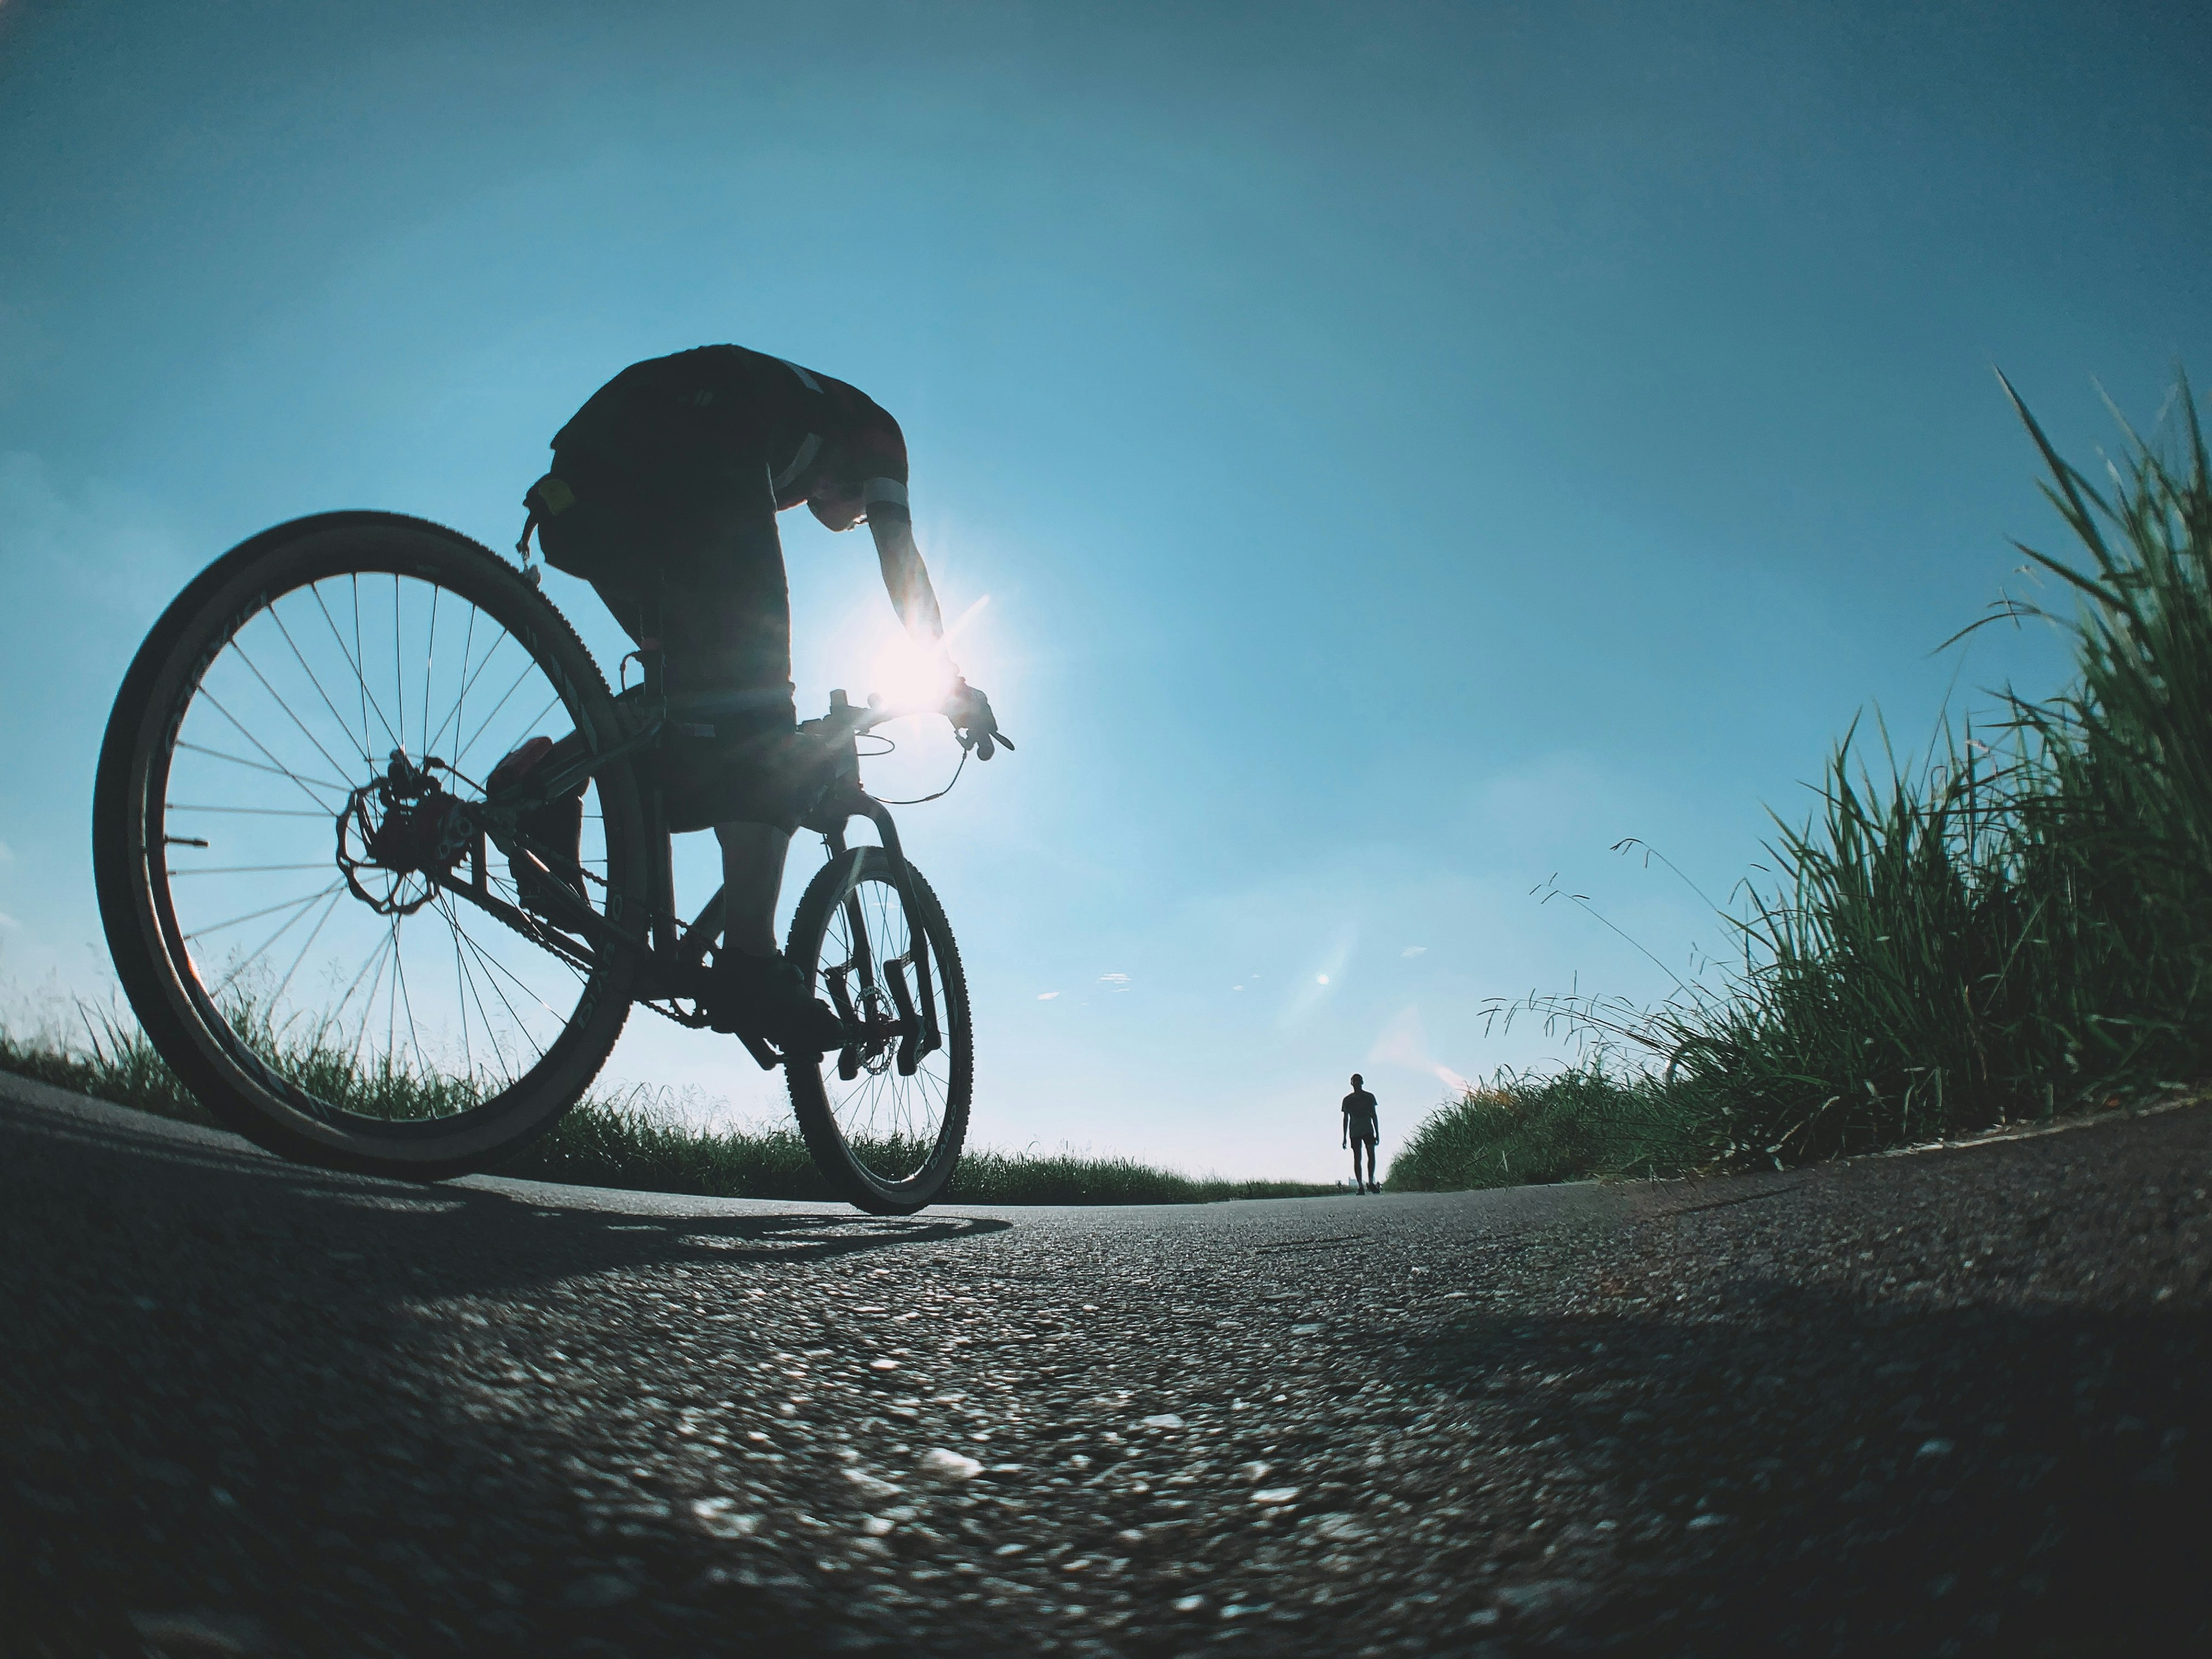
906 579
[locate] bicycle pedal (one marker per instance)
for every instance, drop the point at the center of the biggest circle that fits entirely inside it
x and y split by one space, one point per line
762 1051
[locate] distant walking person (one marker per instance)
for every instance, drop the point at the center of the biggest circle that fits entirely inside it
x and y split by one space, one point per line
1362 1128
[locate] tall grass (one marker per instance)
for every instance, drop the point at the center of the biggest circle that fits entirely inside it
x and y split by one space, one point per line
632 1140
1515 1131
2016 925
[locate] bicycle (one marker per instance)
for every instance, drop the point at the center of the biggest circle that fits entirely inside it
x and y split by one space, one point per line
354 953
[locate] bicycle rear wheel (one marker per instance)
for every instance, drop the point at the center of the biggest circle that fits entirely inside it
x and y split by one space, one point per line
885 1117
342 968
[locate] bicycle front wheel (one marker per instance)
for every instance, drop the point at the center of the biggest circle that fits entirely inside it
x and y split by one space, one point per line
885 1118
309 915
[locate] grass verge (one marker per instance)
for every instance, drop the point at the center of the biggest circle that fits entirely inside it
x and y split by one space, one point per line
630 1142
2015 925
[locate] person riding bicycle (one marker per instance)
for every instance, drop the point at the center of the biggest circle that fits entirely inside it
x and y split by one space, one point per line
663 495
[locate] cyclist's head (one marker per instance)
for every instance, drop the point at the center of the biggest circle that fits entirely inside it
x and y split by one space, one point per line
837 505
1356 1083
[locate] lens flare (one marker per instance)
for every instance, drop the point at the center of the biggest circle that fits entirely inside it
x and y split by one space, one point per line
910 676
1405 1042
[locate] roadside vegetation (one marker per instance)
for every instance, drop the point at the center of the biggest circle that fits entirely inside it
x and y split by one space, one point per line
2015 925
629 1140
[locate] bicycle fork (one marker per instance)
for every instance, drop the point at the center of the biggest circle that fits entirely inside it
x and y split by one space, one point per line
920 1033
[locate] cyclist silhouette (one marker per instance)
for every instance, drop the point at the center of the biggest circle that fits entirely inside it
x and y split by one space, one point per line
1362 1128
663 495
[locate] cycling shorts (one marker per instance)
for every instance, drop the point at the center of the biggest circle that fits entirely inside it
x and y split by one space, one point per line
686 551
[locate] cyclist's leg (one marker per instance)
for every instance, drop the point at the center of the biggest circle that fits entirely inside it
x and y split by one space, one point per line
753 857
688 554
728 636
729 643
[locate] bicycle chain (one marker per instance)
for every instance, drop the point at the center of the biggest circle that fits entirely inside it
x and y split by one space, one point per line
691 1022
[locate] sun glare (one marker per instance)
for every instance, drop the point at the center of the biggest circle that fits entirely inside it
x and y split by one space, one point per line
907 676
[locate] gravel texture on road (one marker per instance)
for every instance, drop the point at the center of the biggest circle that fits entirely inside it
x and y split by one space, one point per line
1948 1402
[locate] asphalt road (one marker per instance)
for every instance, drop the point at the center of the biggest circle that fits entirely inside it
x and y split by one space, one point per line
1944 1403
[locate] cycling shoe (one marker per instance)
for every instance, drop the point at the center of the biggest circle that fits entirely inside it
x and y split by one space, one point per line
767 996
555 832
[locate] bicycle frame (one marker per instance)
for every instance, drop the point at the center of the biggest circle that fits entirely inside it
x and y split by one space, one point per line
674 953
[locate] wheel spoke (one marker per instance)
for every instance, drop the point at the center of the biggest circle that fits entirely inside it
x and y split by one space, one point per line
430 661
497 967
285 984
390 1003
492 968
460 753
468 648
398 674
460 976
467 980
247 869
407 997
218 926
260 951
353 661
337 765
308 786
369 1003
216 703
245 811
314 679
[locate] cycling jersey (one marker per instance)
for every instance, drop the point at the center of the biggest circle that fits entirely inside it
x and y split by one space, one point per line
663 495
724 407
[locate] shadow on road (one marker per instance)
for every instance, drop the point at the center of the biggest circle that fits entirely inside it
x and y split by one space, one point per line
298 1411
518 1234
1800 1471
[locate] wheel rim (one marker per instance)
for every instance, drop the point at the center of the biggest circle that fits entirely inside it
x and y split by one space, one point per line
324 752
892 1122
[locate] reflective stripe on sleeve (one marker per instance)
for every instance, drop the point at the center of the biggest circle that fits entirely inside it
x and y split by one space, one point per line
808 449
805 378
883 489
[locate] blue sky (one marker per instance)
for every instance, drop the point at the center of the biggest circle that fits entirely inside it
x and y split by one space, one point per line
1406 448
